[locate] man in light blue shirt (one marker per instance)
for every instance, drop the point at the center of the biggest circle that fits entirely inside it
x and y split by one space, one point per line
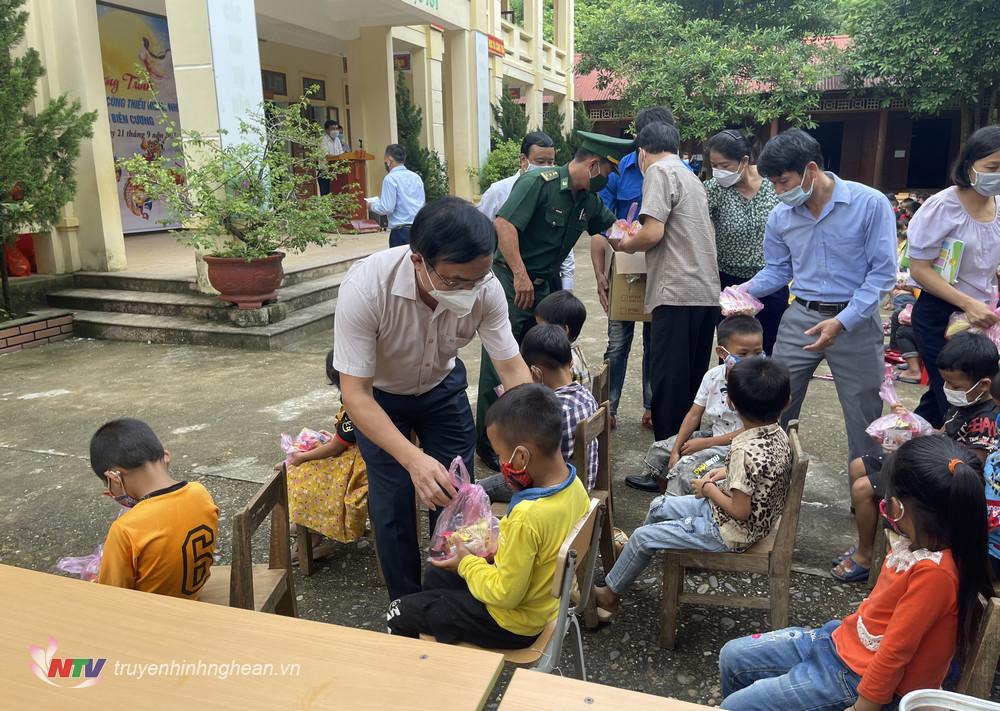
835 240
402 195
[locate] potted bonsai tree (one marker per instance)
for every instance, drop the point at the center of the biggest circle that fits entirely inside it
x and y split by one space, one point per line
246 200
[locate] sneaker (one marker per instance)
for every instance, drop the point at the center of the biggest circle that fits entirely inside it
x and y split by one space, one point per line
643 482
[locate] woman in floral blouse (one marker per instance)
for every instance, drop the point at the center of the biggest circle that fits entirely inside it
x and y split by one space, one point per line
739 202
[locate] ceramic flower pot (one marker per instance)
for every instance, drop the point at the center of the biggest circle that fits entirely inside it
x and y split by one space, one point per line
248 284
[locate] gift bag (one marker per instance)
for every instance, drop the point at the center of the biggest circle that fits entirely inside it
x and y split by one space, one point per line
468 518
306 441
627 227
86 566
736 300
959 322
893 430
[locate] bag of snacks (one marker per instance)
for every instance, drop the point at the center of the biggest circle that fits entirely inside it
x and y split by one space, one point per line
468 518
899 426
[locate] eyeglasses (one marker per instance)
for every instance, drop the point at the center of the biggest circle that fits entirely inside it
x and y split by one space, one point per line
460 284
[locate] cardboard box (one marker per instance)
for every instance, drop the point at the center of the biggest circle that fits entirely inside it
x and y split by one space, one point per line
627 279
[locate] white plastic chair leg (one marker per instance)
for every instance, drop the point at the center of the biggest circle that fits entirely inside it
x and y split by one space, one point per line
939 699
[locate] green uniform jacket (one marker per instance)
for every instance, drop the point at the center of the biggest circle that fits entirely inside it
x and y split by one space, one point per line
550 218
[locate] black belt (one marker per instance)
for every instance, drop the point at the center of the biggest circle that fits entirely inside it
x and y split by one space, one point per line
824 307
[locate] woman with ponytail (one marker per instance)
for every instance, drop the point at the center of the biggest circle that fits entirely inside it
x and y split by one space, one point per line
918 617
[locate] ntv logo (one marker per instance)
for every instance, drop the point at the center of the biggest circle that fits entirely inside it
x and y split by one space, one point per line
47 666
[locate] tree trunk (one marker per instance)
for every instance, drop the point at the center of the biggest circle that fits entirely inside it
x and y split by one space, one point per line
5 280
966 126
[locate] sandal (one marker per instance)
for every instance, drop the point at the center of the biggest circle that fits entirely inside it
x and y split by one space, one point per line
909 381
846 554
850 571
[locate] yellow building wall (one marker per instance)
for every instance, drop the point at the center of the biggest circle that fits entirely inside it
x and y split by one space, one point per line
296 63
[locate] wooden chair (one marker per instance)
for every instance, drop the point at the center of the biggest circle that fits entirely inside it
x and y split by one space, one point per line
771 557
265 587
981 665
576 560
600 384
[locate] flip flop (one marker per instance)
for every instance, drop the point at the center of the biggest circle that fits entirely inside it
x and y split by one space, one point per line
850 571
843 556
909 381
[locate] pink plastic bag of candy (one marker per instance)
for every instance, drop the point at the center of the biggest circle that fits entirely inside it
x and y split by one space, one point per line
959 322
735 300
307 441
468 518
86 566
627 227
900 426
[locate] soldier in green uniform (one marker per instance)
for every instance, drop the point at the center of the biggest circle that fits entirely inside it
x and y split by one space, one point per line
537 227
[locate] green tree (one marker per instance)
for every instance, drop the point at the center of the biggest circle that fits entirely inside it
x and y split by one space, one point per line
422 161
712 71
38 149
509 120
935 55
502 162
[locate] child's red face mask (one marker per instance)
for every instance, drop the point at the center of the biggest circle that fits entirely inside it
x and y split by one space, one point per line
517 479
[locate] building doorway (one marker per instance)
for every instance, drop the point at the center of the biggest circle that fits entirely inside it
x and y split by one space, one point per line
929 152
830 135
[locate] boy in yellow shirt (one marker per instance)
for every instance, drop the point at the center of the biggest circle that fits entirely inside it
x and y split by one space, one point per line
165 542
507 603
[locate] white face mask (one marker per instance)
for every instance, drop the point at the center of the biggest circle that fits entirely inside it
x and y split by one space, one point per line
726 178
797 196
459 302
960 398
533 166
986 184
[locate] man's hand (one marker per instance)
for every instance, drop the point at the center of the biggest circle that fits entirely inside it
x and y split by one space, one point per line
827 331
432 481
693 445
452 562
980 315
603 291
524 291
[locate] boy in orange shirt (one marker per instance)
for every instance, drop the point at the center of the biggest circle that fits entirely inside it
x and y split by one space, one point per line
166 541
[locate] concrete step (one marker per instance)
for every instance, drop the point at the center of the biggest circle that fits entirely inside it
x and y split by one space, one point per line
118 326
199 306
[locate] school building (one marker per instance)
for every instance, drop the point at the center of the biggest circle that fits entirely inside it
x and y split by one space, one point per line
220 58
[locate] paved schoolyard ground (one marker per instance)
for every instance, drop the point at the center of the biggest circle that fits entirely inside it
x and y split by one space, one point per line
221 412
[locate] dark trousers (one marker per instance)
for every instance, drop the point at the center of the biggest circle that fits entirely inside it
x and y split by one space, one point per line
399 236
770 316
442 419
324 186
447 610
901 337
930 319
520 321
680 345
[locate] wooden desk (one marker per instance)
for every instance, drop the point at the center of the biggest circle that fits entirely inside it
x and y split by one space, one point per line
534 691
341 667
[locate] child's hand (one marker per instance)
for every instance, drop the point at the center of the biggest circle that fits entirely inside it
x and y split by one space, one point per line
898 409
452 563
674 456
693 445
697 486
298 458
716 474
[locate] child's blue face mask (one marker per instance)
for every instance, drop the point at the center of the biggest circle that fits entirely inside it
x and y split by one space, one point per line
732 360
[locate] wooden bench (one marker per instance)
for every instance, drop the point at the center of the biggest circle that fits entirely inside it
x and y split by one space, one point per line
771 557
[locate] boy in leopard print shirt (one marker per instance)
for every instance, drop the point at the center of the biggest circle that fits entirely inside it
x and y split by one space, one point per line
732 508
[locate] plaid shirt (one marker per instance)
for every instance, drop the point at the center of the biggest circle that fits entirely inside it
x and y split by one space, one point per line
578 404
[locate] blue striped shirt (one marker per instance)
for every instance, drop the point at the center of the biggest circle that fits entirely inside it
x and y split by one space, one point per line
402 197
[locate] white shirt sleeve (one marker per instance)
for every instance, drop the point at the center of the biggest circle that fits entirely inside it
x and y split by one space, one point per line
707 385
355 331
489 204
494 328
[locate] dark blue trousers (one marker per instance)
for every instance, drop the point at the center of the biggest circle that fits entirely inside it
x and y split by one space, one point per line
930 321
399 236
442 419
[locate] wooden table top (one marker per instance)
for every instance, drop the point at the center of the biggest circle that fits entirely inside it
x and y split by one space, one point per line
339 667
532 691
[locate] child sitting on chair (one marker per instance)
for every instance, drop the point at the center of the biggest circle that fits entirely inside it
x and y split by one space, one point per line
546 350
920 614
968 362
561 308
732 508
328 485
708 429
165 542
507 603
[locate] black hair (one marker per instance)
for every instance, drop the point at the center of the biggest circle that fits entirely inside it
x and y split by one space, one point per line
529 413
980 144
972 354
911 205
536 138
790 150
126 443
331 373
659 138
330 122
547 346
450 229
396 152
891 197
995 387
738 325
759 388
561 308
733 145
653 114
940 484
583 154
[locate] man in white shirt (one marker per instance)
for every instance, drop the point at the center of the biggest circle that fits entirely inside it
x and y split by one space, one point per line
402 316
402 195
334 144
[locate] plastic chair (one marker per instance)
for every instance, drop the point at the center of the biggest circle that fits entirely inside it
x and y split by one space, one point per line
938 699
